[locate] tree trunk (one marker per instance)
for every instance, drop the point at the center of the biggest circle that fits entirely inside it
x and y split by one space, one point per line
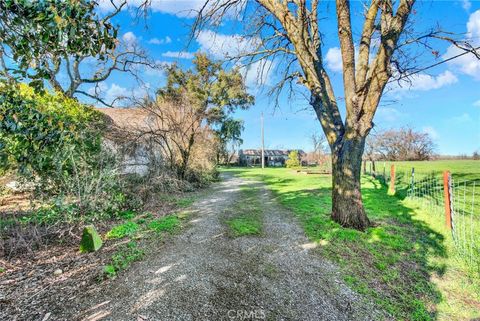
347 206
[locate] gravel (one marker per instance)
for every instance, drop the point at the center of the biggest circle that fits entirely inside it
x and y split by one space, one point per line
202 274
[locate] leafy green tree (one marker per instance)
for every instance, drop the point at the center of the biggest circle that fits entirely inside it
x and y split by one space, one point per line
211 91
44 41
293 160
230 132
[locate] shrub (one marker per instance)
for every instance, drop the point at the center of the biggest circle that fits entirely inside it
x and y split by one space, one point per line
293 160
56 143
39 133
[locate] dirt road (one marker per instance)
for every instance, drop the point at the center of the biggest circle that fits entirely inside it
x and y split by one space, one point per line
203 274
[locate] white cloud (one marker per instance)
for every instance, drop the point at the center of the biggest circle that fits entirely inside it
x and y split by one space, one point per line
108 93
115 91
431 132
130 40
222 46
466 5
178 54
161 41
424 82
334 59
129 37
477 103
468 64
106 5
118 95
462 119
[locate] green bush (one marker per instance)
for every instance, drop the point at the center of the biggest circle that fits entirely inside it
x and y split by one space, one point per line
56 142
293 160
42 134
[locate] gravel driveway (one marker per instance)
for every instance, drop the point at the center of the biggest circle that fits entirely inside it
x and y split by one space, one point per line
202 274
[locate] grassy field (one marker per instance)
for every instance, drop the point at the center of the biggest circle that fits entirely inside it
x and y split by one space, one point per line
460 169
426 190
404 263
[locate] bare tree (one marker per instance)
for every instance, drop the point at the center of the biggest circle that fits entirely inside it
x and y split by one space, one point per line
290 30
177 128
372 151
476 155
319 142
403 144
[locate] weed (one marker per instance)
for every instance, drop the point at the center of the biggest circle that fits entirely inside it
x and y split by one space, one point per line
109 271
241 226
123 258
183 214
123 230
127 215
165 224
184 201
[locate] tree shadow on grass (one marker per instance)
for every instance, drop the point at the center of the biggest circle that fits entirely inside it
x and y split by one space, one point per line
391 263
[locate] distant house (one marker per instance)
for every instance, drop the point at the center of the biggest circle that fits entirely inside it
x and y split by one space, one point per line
273 157
127 136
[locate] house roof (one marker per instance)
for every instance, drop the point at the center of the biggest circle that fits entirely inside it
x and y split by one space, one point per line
128 119
269 152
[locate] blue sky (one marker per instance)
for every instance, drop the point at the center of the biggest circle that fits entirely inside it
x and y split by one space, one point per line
443 101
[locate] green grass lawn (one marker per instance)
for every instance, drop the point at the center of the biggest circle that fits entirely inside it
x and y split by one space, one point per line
464 173
460 169
403 263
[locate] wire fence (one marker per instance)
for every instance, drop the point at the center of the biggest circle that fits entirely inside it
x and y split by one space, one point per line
449 197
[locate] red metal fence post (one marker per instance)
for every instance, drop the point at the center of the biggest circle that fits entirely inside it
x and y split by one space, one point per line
391 190
446 195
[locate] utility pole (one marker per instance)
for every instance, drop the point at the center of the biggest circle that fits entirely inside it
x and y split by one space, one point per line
263 145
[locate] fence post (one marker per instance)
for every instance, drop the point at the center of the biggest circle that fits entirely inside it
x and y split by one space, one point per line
391 190
447 195
412 191
364 167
